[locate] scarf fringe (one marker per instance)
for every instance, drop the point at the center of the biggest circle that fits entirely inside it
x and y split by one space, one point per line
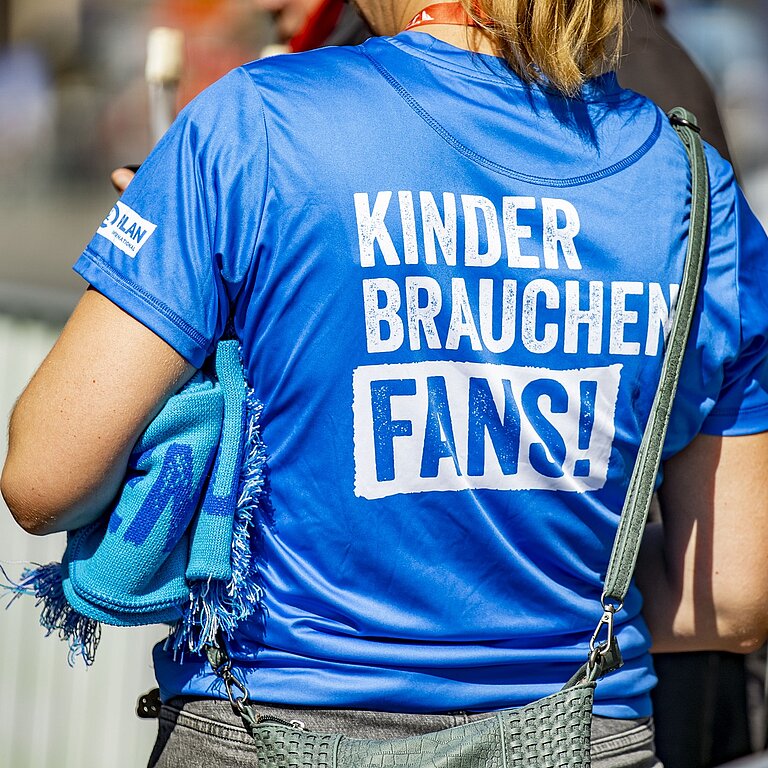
217 606
45 584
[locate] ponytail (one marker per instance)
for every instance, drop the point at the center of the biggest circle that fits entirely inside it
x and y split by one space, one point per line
560 42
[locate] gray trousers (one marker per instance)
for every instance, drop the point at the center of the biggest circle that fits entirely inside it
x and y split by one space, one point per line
203 733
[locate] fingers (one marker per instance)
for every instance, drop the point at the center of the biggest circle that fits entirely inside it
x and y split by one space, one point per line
121 178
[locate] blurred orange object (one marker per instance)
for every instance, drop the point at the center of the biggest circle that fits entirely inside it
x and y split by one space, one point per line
218 37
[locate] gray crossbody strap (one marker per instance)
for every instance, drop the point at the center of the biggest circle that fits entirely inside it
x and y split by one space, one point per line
642 483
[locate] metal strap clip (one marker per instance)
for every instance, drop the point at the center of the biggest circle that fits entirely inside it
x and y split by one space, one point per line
677 120
600 649
222 668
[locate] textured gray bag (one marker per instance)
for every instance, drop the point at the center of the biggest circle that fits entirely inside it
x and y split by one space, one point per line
553 732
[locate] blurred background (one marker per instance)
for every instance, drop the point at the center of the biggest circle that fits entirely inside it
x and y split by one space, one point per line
73 106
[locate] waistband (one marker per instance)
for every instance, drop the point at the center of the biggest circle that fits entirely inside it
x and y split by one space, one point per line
357 723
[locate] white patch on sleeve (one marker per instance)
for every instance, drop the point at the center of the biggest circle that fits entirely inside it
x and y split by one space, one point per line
126 229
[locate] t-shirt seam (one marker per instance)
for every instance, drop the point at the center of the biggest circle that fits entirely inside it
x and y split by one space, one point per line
737 270
267 175
434 59
715 413
154 303
611 170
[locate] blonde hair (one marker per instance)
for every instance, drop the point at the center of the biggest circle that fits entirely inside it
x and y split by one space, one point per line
560 42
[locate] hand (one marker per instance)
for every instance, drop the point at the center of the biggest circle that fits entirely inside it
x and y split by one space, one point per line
121 178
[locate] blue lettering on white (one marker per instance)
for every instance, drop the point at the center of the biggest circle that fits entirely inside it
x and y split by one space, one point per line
503 432
126 229
441 426
384 427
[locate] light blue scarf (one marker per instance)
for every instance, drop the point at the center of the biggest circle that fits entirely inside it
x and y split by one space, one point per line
176 545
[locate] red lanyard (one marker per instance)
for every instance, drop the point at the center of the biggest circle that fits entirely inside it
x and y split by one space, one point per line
441 13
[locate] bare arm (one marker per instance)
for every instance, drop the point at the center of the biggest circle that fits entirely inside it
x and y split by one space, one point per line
704 575
74 426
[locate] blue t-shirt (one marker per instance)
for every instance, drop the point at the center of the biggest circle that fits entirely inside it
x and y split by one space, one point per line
451 290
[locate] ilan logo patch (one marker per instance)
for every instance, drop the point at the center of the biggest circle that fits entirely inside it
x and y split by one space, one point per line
126 229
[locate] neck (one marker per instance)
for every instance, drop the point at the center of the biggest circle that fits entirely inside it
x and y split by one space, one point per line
469 38
391 18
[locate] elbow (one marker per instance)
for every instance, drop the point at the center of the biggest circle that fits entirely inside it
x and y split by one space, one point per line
752 644
744 644
742 626
29 521
52 501
33 517
746 637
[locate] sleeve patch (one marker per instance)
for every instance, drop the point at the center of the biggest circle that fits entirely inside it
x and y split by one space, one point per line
127 230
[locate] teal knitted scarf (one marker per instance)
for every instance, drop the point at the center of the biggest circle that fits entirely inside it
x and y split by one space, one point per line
176 545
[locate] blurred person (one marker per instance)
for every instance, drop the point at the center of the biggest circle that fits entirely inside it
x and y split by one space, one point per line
717 730
301 25
427 590
655 64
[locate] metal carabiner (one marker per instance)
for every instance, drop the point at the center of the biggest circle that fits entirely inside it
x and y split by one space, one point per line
230 682
604 656
605 620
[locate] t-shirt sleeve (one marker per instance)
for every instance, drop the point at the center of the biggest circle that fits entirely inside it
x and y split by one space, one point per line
175 249
742 404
